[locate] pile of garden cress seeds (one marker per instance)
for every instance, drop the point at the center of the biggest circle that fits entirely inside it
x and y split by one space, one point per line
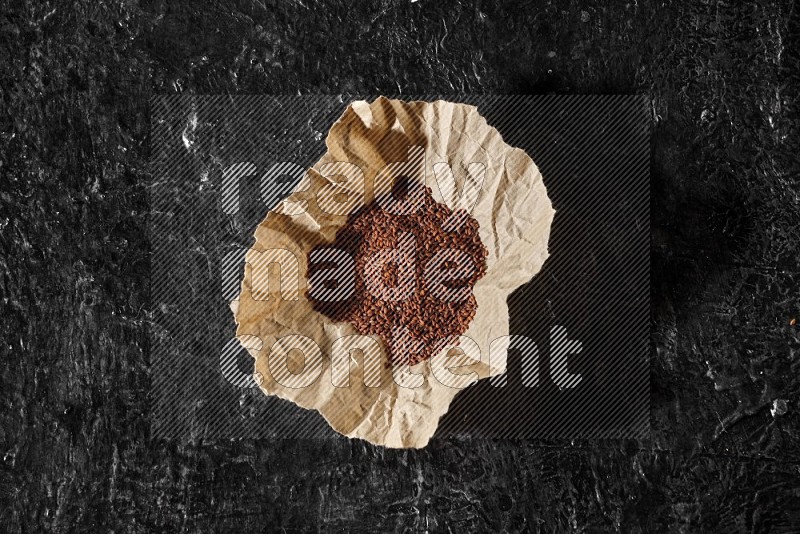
414 275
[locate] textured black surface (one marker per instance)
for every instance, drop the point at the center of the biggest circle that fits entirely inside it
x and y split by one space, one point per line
74 449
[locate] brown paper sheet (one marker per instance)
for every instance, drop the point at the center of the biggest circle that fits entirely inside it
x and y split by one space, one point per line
514 214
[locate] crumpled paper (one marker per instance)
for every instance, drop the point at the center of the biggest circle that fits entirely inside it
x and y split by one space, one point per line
511 205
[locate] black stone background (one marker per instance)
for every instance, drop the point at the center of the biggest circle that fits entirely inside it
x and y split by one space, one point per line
75 452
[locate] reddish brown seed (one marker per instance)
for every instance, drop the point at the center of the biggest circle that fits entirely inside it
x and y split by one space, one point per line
430 323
